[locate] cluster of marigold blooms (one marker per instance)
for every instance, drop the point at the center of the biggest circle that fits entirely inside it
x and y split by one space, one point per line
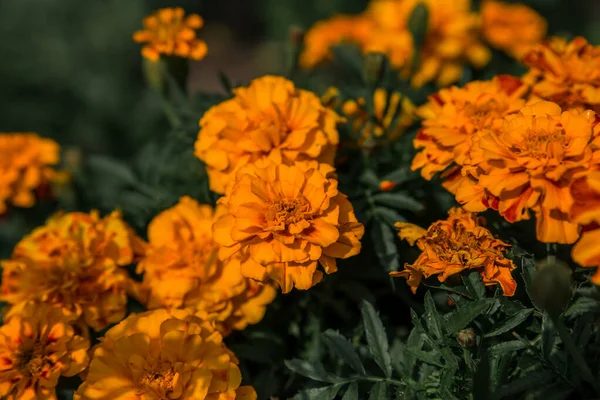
455 36
206 271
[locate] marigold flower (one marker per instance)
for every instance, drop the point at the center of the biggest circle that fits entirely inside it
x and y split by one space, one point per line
75 261
26 162
513 28
284 219
37 346
182 270
163 354
567 73
531 162
268 119
586 212
453 245
167 32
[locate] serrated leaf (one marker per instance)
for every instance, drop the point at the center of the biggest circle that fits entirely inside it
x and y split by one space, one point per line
385 245
431 358
474 285
379 391
311 369
322 393
506 347
432 317
415 341
398 200
581 306
400 175
463 316
548 336
510 323
351 392
527 270
376 338
523 384
340 346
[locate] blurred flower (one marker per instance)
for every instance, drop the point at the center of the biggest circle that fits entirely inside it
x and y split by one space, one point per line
181 269
284 219
386 186
531 161
586 212
167 32
26 163
269 119
567 73
513 28
453 245
75 261
37 346
163 354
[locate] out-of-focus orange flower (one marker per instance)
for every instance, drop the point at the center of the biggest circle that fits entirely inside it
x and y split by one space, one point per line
169 32
26 162
282 220
567 73
269 119
586 212
182 270
75 261
531 162
454 245
38 345
163 354
513 28
386 186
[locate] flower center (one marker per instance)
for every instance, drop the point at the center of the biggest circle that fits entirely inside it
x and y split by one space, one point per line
455 246
543 144
32 361
481 113
287 211
160 380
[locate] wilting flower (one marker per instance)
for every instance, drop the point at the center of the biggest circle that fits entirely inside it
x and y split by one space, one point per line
182 270
282 220
74 261
586 212
26 163
163 354
513 28
454 245
567 73
38 345
268 119
168 32
531 162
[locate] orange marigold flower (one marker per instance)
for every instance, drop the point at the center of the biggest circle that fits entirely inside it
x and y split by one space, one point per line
26 162
270 118
37 346
75 261
454 245
513 28
531 162
168 32
163 354
567 73
386 186
282 220
182 270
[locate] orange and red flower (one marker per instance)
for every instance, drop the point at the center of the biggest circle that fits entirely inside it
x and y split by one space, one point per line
586 212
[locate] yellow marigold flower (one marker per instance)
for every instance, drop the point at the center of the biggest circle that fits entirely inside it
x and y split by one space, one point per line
182 270
270 118
163 354
75 261
531 162
567 73
26 162
168 32
512 28
38 346
282 220
454 245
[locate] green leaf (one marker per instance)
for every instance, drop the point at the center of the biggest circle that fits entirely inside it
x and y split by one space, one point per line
398 200
311 369
581 306
340 346
225 82
510 323
376 338
482 385
385 245
399 175
548 336
474 285
532 380
432 317
351 392
463 316
431 358
322 393
507 347
415 341
370 179
112 167
379 391
388 215
527 271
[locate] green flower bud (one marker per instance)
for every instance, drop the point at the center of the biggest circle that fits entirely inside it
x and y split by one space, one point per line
551 286
374 67
466 337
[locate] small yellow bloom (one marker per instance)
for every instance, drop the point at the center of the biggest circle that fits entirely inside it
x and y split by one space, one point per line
26 163
75 261
38 345
168 32
182 270
163 354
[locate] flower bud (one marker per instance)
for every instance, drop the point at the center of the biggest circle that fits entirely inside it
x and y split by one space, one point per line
386 186
551 285
466 337
374 68
296 35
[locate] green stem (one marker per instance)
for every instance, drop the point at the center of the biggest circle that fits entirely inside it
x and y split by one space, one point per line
394 382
